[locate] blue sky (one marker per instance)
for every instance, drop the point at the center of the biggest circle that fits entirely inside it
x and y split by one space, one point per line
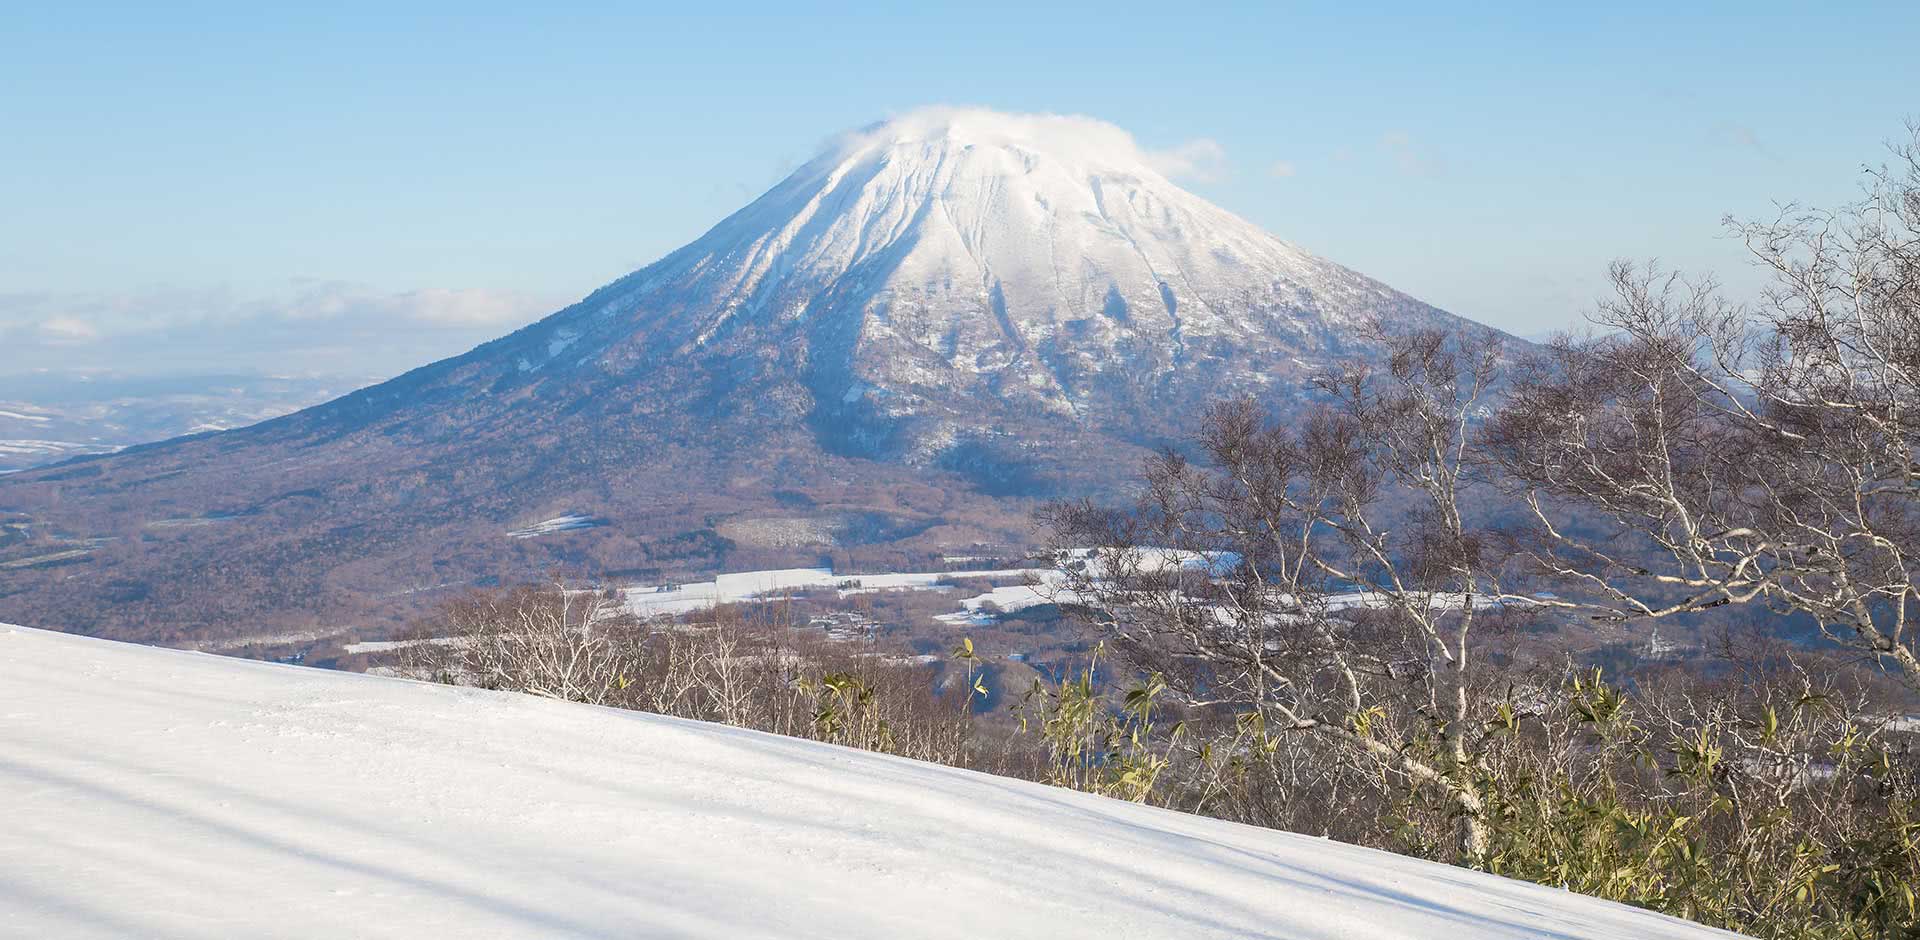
357 187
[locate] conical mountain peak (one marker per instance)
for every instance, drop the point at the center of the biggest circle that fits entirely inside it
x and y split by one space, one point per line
951 267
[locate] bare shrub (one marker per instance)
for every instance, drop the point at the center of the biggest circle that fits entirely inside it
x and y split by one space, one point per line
552 642
1773 802
744 667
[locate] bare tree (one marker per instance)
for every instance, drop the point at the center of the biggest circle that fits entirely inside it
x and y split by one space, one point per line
553 642
1264 583
1761 454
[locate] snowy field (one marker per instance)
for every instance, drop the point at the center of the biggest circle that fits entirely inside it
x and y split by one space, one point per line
160 793
1036 586
1042 585
652 600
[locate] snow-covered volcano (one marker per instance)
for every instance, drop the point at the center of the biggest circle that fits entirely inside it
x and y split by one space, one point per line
933 275
940 311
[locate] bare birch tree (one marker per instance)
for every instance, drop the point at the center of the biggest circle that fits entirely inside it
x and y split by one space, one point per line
552 642
1264 582
1743 454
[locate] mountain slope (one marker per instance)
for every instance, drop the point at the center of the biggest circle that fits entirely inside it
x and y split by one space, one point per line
954 262
940 317
161 793
931 276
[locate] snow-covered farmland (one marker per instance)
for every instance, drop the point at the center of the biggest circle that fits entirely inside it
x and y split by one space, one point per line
1035 585
1031 587
154 792
653 600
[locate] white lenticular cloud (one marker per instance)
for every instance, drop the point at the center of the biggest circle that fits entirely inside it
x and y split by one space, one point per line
1084 140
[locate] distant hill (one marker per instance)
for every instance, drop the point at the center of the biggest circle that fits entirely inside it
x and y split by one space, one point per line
47 417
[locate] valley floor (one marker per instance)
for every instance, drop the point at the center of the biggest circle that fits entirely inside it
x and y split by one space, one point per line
151 792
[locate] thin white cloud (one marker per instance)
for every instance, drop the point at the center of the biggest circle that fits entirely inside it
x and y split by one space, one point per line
66 331
1742 137
91 316
1283 169
1410 157
471 306
453 307
1201 158
324 326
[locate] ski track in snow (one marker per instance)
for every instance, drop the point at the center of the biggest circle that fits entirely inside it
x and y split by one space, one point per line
153 792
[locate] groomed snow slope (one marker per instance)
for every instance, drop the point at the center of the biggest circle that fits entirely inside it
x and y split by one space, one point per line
148 792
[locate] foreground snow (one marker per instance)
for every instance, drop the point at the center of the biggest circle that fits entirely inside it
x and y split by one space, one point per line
161 793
